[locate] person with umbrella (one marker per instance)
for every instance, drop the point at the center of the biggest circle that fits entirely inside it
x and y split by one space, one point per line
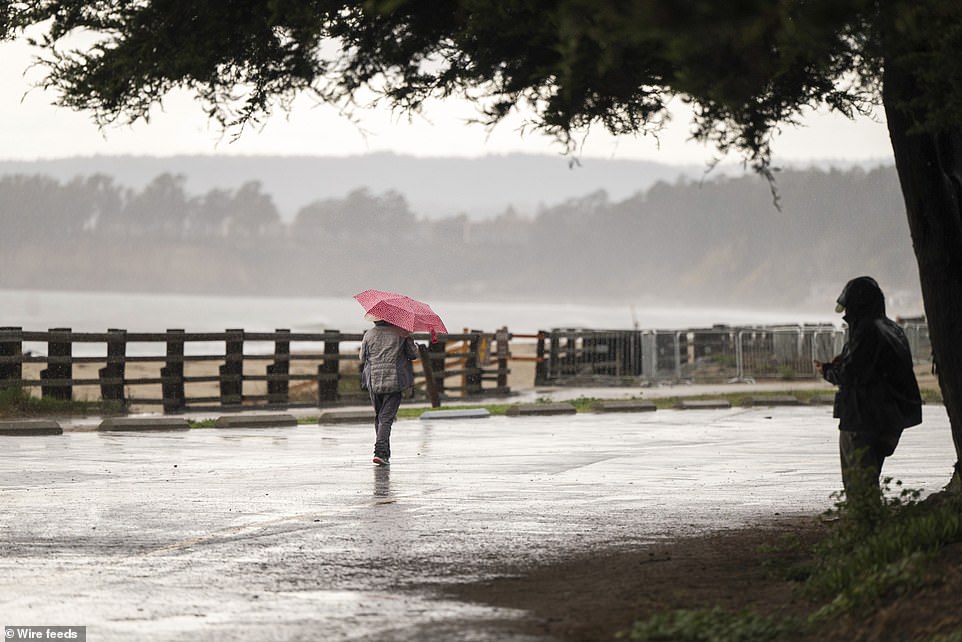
386 371
387 351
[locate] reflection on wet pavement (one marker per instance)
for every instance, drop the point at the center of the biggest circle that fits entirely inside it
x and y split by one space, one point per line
382 483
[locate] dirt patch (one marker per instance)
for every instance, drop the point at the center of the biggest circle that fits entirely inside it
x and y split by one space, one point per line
595 596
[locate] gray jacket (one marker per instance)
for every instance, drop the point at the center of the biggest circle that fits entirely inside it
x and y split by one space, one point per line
386 355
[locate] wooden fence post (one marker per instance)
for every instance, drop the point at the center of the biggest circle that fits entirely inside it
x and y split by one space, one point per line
502 337
541 365
110 388
278 385
438 350
430 381
232 372
174 398
328 373
472 367
59 366
11 356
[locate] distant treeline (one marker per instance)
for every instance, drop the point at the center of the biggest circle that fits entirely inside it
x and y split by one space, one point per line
715 240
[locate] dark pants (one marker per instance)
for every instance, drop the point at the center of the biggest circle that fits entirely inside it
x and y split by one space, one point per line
386 405
862 454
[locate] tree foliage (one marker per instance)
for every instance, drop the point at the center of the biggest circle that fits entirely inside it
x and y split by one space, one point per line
746 67
36 209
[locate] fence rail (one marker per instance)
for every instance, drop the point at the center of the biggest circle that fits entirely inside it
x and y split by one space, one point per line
254 369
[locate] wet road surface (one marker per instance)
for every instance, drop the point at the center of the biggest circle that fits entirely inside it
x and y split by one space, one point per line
292 533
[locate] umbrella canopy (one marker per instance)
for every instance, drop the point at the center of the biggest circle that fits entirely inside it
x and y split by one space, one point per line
402 311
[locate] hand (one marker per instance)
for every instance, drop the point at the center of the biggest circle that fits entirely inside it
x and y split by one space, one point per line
819 367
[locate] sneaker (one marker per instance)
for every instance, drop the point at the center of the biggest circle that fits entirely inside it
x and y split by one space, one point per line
381 461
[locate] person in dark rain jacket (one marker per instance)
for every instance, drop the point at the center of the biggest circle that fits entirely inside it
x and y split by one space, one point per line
878 395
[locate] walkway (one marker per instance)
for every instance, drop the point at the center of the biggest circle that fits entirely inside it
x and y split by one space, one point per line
291 533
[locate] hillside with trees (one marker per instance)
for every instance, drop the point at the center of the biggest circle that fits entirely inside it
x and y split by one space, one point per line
434 187
713 241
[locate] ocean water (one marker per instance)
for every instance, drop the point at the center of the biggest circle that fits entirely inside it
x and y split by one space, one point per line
39 310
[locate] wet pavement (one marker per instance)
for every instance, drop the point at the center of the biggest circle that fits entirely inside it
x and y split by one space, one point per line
292 533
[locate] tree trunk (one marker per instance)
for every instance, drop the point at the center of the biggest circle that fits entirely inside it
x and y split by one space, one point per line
930 172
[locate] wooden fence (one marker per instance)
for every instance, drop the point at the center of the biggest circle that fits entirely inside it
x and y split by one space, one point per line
179 372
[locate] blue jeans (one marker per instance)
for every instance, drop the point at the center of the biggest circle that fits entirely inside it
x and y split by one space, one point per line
386 405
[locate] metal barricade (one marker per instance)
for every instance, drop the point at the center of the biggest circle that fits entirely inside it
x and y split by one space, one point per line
918 335
584 356
703 355
786 352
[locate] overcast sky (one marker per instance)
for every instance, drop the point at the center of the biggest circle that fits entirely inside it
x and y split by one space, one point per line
34 129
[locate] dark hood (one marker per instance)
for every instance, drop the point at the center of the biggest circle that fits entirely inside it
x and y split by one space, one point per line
862 298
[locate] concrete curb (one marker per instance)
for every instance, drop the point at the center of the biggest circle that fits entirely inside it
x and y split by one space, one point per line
256 421
625 405
822 400
30 427
536 409
346 417
772 400
702 404
468 413
140 424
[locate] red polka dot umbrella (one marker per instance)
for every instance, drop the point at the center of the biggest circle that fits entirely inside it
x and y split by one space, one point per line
402 311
